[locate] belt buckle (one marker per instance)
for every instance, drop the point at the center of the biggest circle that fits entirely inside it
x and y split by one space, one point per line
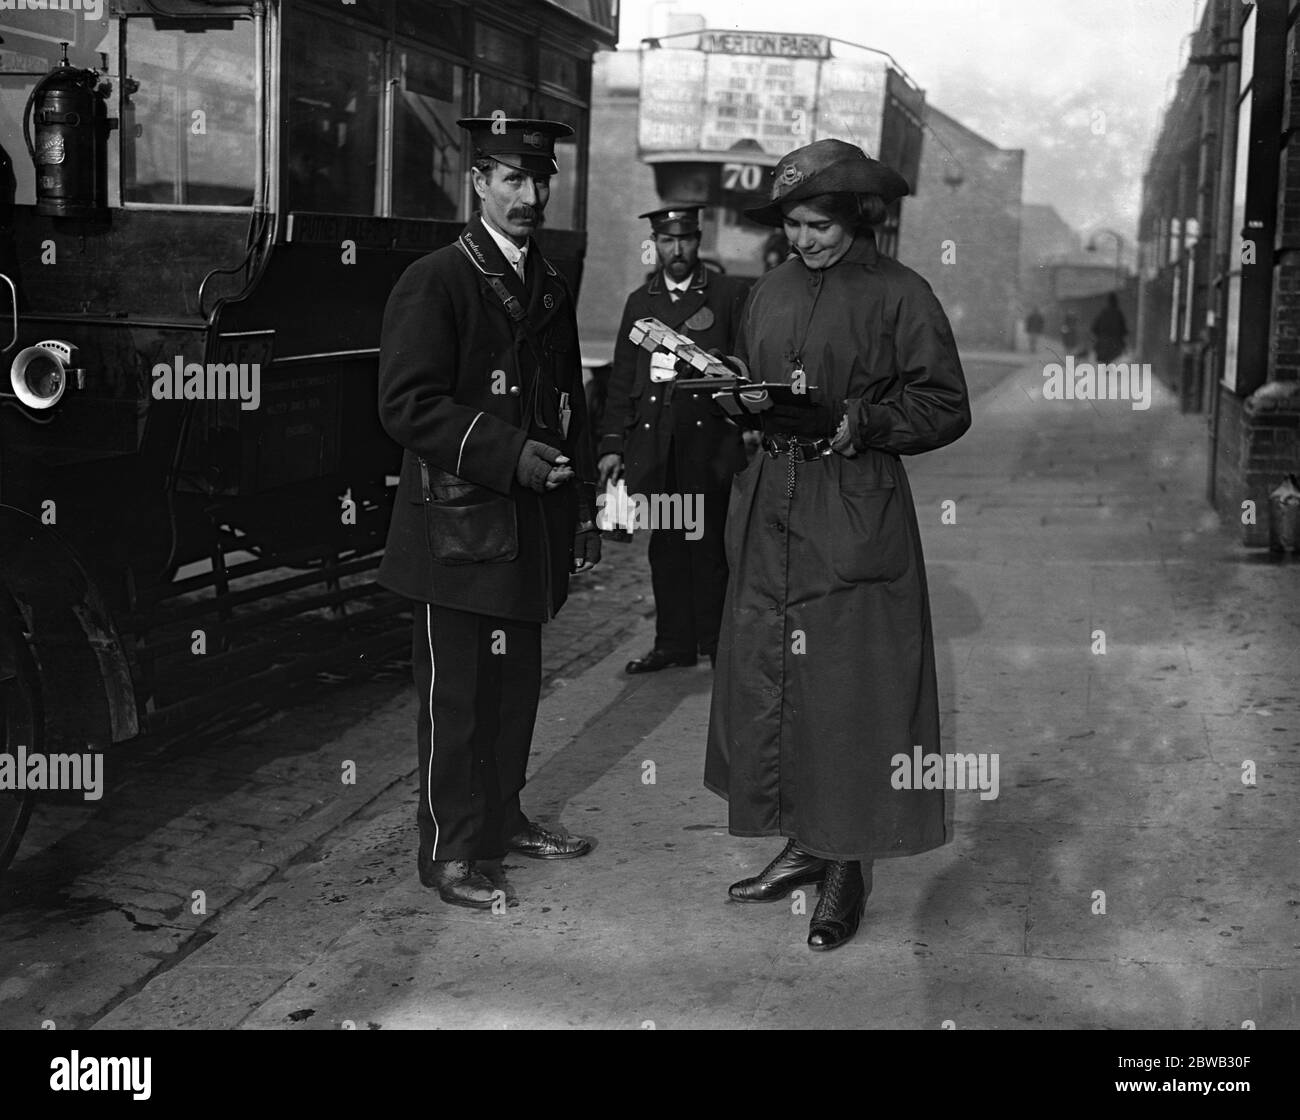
813 448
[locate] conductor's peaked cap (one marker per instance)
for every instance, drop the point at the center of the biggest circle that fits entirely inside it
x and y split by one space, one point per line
676 220
525 145
827 167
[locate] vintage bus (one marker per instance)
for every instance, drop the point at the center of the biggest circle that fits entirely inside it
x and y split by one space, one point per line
230 188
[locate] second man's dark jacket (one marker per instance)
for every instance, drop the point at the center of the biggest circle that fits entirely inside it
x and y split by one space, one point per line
643 417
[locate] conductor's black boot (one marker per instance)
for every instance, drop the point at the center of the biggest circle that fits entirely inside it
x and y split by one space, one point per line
839 910
457 882
792 868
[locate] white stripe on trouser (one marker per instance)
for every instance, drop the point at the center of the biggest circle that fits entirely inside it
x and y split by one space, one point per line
428 785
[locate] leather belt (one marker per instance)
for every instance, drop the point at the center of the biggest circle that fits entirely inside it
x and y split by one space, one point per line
799 450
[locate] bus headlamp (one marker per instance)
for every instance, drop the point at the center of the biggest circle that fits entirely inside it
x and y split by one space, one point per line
39 374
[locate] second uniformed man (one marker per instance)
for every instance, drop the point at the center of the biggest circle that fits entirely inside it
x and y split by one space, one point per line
677 442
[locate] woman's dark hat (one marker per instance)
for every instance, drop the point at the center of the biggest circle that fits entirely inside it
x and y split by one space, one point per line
827 167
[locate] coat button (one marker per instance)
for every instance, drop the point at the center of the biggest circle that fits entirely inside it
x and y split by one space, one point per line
699 423
778 526
645 425
652 400
514 390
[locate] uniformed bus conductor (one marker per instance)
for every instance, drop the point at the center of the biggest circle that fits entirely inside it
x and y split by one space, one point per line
480 382
677 443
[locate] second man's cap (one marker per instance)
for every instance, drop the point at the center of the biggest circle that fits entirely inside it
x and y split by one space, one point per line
679 220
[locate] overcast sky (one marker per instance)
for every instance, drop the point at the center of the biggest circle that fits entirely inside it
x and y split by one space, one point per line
1032 74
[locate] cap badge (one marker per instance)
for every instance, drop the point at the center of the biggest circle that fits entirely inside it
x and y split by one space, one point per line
533 139
787 179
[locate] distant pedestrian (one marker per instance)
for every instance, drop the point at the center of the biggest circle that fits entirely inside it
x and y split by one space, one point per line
1109 330
1034 329
826 669
1070 332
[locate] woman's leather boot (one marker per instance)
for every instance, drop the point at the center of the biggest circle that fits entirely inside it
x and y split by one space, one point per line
839 910
792 868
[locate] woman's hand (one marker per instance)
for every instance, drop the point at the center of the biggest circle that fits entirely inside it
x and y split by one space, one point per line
842 440
807 421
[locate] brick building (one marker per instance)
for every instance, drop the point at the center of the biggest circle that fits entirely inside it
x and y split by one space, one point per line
1219 293
619 187
961 231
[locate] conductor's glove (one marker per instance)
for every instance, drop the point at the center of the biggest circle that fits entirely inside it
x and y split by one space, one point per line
542 467
586 547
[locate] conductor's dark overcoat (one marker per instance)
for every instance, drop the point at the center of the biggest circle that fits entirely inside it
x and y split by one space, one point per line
455 380
640 422
826 659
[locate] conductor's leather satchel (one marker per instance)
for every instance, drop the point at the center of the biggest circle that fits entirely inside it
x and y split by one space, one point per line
466 523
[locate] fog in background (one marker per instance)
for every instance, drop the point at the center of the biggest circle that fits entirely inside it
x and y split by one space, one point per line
1079 85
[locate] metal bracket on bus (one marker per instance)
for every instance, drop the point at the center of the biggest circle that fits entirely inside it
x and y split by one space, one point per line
13 294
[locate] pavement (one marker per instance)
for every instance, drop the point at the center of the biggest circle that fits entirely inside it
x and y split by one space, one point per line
102 896
1097 629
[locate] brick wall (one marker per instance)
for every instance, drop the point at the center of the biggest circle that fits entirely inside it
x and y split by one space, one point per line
980 287
619 188
1259 445
1229 486
1284 341
1259 437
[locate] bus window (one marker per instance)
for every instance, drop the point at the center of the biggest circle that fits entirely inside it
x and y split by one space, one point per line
562 210
372 11
491 94
441 22
427 171
564 70
194 115
332 90
511 52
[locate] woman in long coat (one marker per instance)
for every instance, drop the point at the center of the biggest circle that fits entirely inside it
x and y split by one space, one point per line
825 667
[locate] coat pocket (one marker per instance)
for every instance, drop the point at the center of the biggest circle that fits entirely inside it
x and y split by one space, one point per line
465 523
869 544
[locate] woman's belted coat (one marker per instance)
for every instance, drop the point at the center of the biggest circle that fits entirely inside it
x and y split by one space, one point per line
825 666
